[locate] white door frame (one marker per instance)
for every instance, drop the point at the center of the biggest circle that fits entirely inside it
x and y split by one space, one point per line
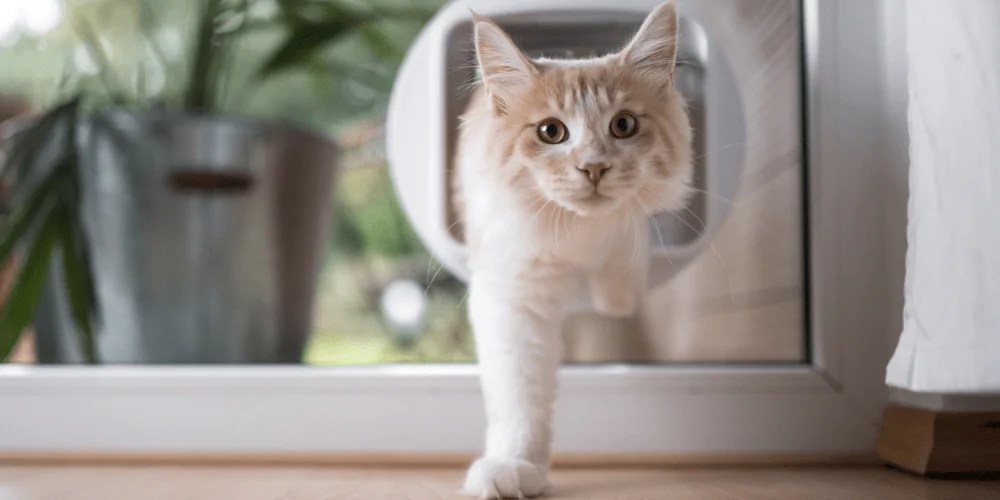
832 406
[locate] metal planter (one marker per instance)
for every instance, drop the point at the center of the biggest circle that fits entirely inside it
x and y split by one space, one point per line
207 235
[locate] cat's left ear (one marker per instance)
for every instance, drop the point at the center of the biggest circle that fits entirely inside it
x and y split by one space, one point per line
653 50
505 70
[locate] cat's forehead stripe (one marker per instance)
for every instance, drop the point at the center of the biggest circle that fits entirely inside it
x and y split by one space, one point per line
569 88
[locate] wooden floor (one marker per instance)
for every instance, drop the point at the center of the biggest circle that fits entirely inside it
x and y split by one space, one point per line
289 483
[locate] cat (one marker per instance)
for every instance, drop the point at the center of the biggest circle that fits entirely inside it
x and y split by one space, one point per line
559 163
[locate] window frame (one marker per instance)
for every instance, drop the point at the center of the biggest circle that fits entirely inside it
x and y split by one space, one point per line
830 407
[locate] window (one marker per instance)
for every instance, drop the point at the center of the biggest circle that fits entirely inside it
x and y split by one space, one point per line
764 317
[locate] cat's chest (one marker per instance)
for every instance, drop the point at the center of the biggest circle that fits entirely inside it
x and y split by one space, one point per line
550 235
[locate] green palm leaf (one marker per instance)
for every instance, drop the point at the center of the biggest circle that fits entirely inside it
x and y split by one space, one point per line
77 280
20 305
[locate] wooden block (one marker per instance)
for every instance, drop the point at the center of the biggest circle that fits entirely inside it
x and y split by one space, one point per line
940 443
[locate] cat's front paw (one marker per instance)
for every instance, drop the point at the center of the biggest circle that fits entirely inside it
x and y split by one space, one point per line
493 478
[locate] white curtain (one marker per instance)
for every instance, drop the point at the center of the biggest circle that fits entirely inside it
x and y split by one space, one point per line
951 320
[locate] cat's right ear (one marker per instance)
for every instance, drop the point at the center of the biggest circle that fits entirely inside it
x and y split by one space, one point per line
653 51
506 72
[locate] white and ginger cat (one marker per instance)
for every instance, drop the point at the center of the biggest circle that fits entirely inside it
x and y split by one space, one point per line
560 162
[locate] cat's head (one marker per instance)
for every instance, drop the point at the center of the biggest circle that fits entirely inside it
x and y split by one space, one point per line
592 135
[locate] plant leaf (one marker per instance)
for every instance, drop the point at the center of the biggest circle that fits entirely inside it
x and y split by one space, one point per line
380 43
304 40
199 98
297 12
313 24
105 70
25 149
148 25
347 238
370 77
19 308
22 220
77 280
409 12
225 59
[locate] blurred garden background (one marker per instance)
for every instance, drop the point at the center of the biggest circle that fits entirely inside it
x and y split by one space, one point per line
382 297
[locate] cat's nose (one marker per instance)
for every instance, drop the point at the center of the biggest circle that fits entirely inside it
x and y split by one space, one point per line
594 171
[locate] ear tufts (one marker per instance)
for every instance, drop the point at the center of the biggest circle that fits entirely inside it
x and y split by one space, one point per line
653 50
505 70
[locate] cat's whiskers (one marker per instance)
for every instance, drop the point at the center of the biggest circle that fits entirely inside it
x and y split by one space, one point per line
531 199
635 247
468 88
719 150
537 214
533 220
569 228
431 259
725 268
462 302
711 244
429 284
734 204
555 228
644 189
663 246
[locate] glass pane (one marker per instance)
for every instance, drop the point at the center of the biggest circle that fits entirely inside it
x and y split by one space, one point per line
382 297
741 297
733 266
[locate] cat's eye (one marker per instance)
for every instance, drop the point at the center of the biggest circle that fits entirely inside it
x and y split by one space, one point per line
552 131
624 125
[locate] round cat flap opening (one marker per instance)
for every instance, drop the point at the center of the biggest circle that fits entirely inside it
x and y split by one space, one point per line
431 92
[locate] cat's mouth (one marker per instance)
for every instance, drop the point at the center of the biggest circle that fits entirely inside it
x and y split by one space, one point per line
595 197
594 204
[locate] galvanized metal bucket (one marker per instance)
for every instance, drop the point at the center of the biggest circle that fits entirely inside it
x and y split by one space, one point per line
207 235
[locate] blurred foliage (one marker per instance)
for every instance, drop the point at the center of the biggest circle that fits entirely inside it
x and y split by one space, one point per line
373 245
370 220
325 64
46 220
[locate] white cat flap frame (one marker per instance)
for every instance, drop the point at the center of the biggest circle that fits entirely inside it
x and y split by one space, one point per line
431 90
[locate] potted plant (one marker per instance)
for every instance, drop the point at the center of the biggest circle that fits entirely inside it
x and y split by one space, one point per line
158 229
